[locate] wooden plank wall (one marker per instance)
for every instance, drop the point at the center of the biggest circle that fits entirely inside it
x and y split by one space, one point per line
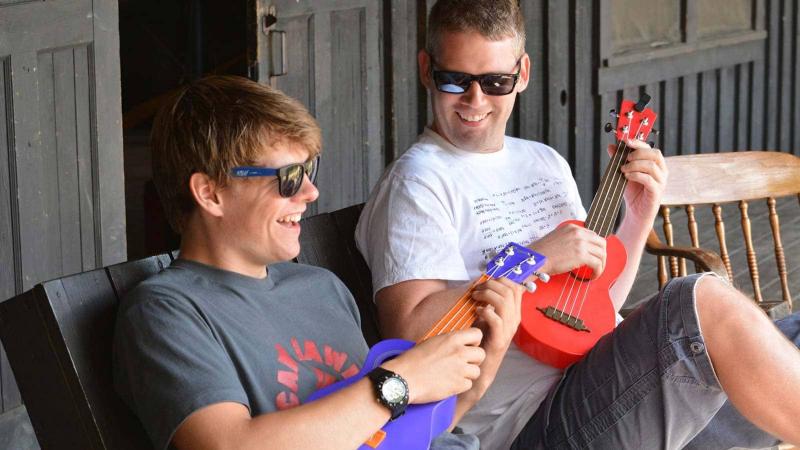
62 206
734 93
335 68
738 94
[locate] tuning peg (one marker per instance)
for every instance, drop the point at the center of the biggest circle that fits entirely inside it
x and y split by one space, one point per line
530 286
613 113
654 131
542 276
608 127
643 101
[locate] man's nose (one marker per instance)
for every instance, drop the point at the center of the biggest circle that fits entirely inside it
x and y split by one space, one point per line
308 191
474 95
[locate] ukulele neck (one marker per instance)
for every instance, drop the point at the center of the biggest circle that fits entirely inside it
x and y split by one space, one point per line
461 316
602 215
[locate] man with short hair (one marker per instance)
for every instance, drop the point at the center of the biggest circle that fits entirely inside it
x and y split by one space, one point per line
464 189
221 349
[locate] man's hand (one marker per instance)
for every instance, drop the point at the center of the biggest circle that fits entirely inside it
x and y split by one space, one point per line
500 314
498 317
454 363
571 246
647 173
441 366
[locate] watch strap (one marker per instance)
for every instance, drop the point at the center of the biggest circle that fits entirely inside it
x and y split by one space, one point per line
378 376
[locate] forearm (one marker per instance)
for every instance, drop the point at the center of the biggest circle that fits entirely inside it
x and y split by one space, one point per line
633 236
464 402
468 399
409 311
342 420
345 419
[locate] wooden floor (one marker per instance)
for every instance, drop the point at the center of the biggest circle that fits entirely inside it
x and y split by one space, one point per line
646 284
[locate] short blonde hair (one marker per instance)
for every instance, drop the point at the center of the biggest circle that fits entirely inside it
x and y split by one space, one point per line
215 124
493 19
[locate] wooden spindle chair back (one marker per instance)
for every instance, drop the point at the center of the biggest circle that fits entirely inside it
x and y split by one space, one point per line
753 187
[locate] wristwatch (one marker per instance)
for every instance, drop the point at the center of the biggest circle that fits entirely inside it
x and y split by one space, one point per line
391 390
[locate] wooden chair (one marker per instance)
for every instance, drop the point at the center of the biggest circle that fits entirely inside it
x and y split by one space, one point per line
328 240
705 188
58 338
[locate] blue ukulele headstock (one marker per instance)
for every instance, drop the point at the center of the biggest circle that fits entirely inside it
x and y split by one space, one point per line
515 262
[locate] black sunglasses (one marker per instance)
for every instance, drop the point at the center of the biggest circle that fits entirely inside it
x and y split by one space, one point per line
290 177
490 83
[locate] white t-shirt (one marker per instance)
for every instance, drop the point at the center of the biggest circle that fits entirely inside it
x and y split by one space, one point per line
440 212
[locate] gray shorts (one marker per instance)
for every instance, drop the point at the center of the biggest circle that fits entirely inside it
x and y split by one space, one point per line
647 385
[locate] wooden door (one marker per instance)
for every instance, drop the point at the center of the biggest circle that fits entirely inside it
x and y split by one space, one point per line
62 205
328 56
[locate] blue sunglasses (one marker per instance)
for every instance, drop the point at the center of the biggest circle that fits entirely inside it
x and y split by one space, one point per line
290 178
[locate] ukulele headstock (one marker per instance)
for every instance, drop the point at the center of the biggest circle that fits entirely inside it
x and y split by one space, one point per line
634 120
515 262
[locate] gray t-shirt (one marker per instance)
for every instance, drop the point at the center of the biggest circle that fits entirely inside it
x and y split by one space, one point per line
194 335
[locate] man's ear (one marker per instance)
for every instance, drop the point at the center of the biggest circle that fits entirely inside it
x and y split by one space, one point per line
205 192
424 61
524 73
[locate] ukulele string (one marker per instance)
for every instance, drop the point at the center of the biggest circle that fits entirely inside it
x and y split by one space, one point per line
600 197
455 309
616 199
465 319
607 213
560 296
611 185
619 186
458 313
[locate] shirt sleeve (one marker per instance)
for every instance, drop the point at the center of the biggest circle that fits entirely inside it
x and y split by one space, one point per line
407 233
167 364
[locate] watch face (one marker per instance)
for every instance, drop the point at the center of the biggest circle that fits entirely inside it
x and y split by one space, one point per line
393 390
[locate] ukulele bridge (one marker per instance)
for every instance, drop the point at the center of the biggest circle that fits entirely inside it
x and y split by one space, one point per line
564 318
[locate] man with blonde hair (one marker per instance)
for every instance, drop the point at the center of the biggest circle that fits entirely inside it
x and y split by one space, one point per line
465 188
221 349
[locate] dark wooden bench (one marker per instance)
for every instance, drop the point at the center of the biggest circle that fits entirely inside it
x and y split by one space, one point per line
58 338
328 241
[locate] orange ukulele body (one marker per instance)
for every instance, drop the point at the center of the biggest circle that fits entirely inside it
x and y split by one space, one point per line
546 337
564 318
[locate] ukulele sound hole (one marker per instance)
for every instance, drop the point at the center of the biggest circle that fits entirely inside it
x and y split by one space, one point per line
582 274
564 318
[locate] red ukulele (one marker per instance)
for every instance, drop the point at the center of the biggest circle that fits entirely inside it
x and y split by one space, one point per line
564 318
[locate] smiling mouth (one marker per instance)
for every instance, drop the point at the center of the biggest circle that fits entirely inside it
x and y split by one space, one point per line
472 118
290 220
